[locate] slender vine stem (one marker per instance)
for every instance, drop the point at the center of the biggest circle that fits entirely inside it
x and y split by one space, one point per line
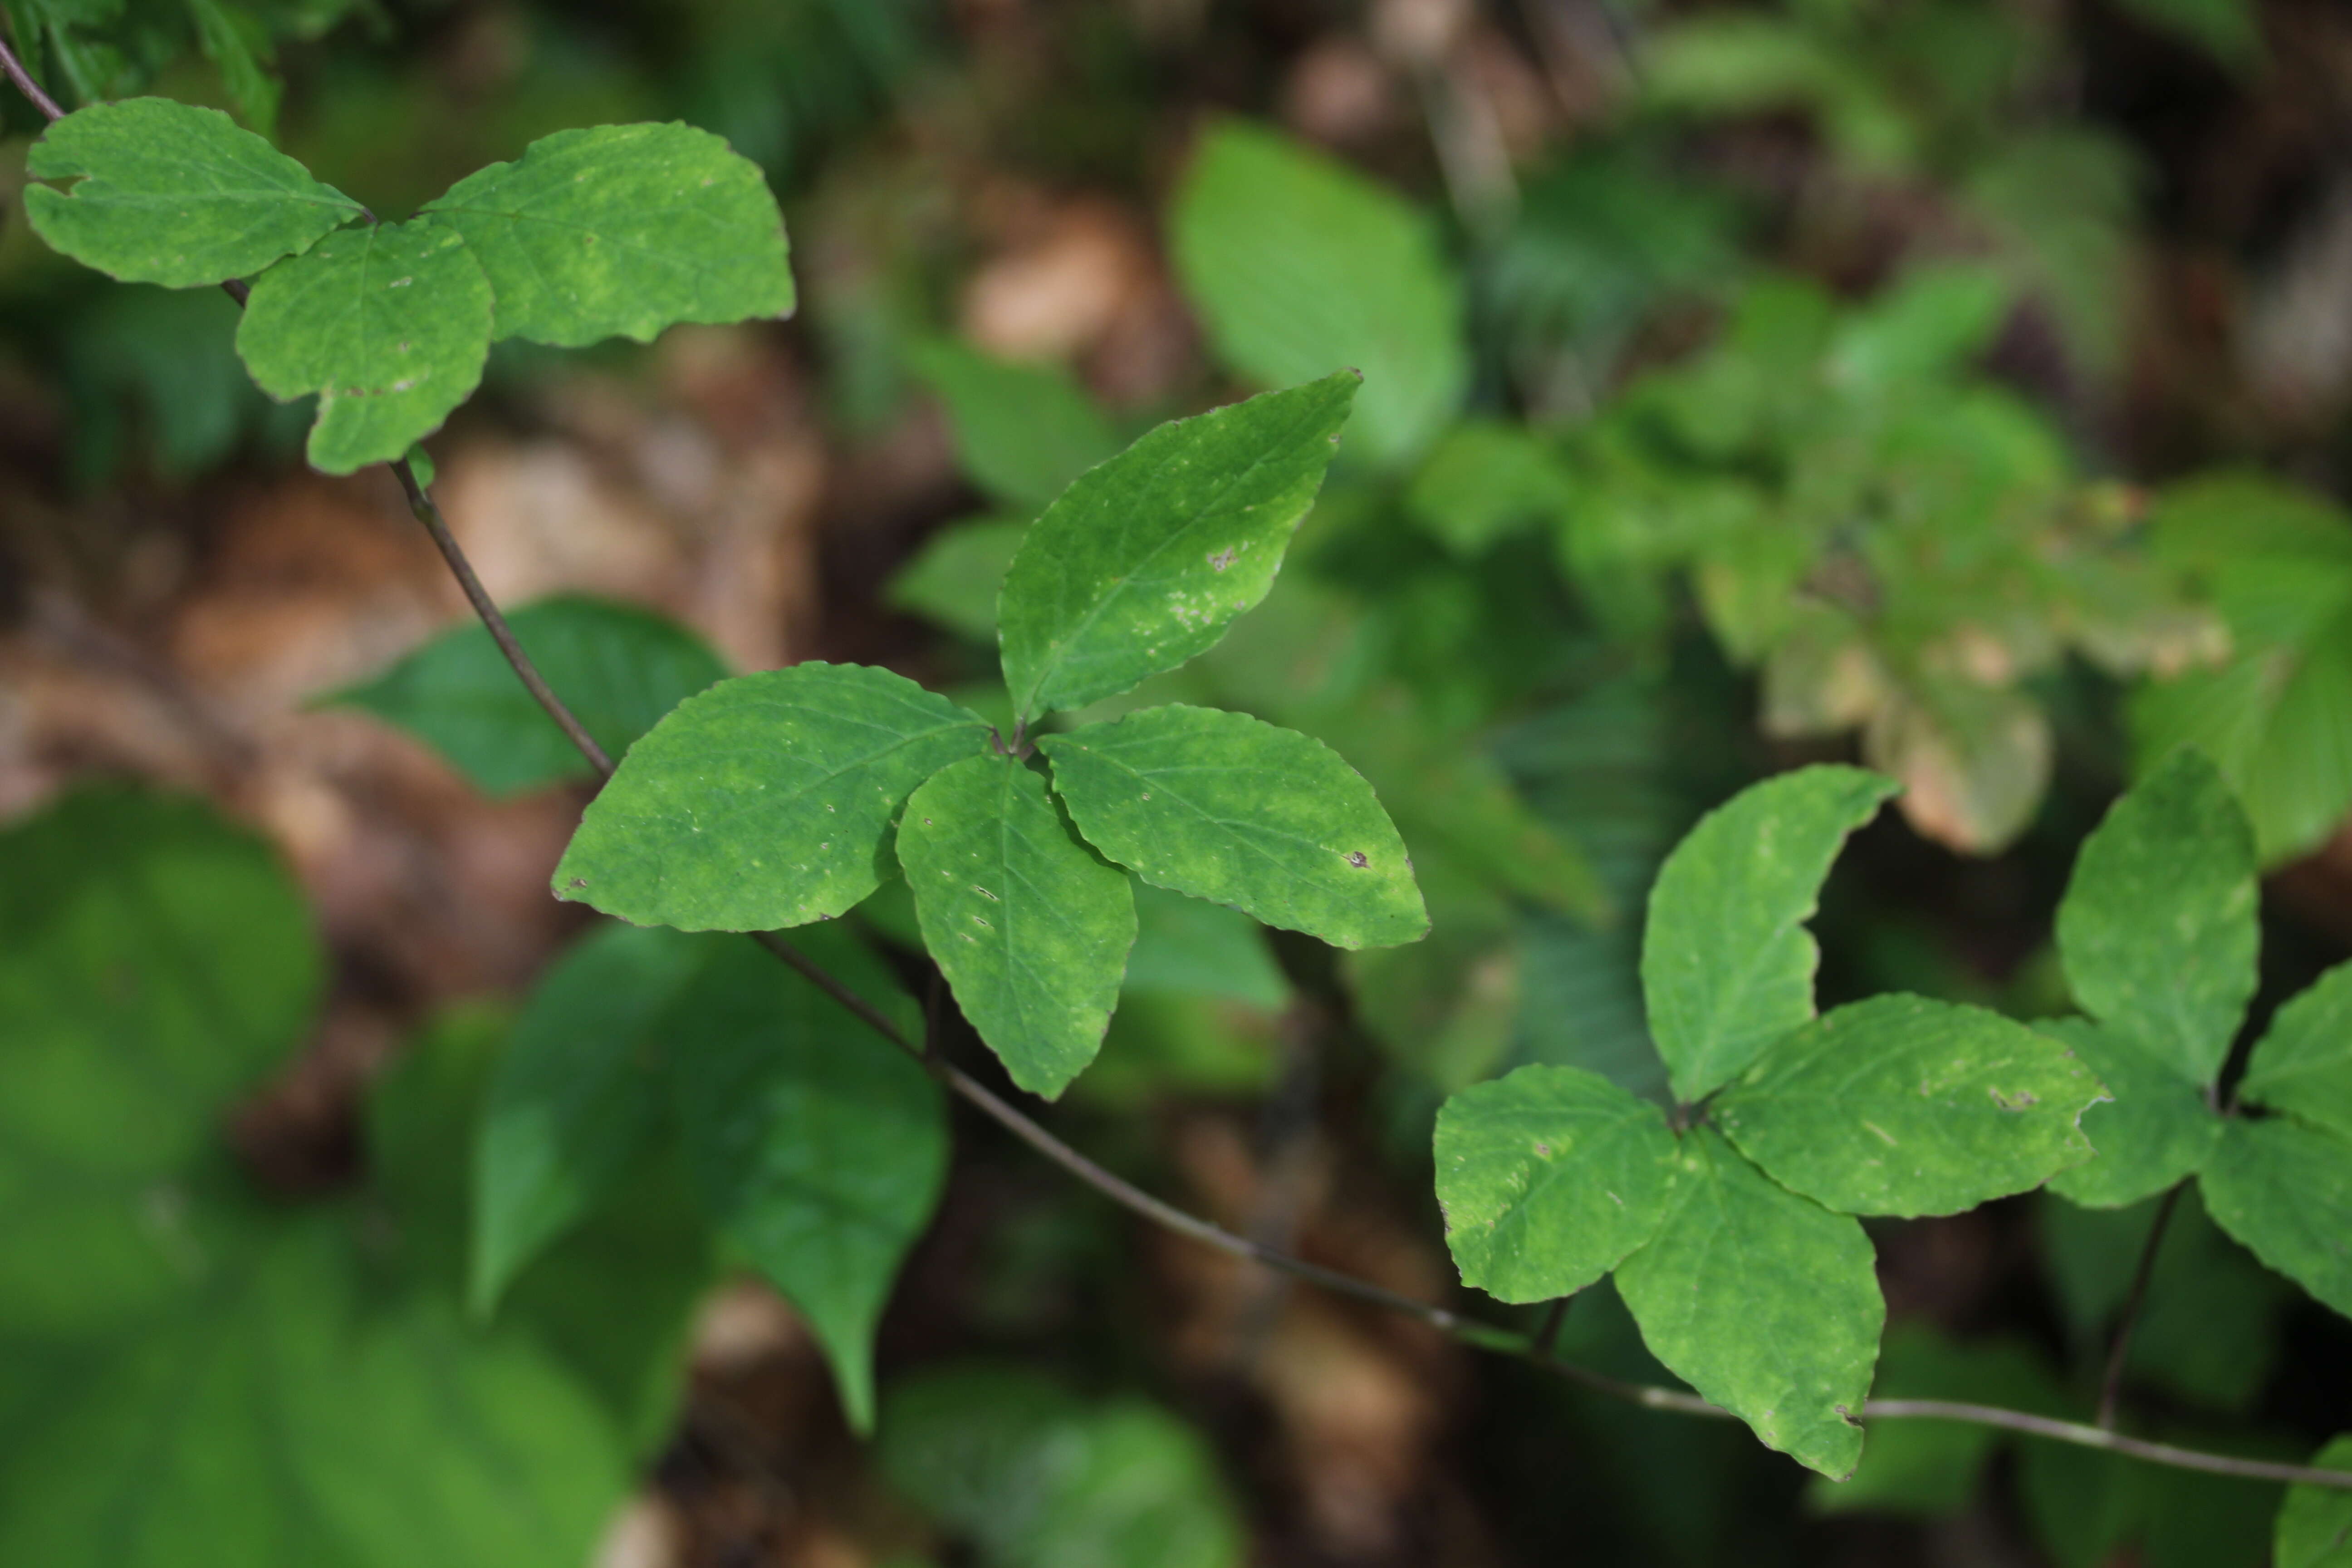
2111 1387
1534 1350
16 71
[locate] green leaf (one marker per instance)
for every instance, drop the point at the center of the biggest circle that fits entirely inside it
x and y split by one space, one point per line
2158 926
1765 1302
618 667
389 324
1224 808
1548 1178
1726 964
2315 1523
2277 563
174 195
2155 1129
2285 1190
1485 480
1036 1478
1899 1105
237 42
955 577
622 230
276 1417
1147 559
1298 267
1190 947
612 1299
154 963
2302 1065
820 1148
767 801
1029 927
575 1099
1023 432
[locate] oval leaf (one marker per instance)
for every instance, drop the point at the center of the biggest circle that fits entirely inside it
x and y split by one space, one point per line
1146 560
1765 1302
1023 432
619 231
1224 808
1899 1105
174 195
2158 930
2285 1189
1726 964
1031 929
389 324
765 801
818 1148
1548 1178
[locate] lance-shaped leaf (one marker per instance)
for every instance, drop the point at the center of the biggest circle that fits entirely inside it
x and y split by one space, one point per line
2315 1523
1727 964
2285 1188
1146 560
1765 1302
765 801
389 324
618 667
1030 927
2303 1064
1225 807
1899 1105
819 1149
619 231
174 195
576 1096
2154 1128
1548 1178
2158 929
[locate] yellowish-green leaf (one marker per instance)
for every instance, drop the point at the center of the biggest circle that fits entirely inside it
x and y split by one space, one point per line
1031 927
1548 1178
767 801
1899 1105
167 193
1765 1302
389 324
622 230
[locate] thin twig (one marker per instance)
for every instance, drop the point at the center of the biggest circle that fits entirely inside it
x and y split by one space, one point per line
428 513
2111 1387
1469 1330
2084 1436
16 71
